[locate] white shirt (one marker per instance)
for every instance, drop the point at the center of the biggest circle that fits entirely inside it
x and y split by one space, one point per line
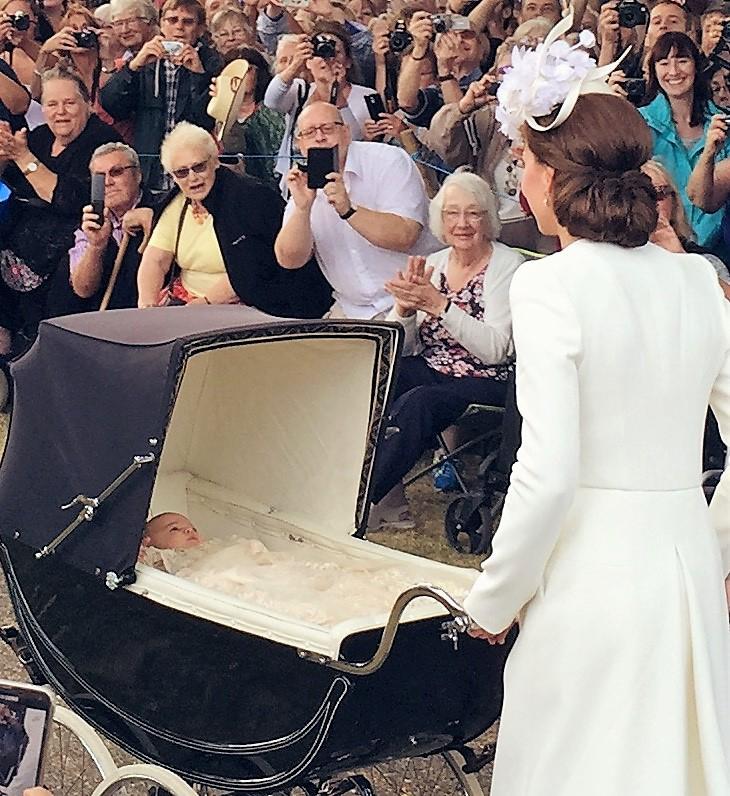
378 177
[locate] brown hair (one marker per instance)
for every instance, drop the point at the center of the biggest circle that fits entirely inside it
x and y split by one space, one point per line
189 5
598 190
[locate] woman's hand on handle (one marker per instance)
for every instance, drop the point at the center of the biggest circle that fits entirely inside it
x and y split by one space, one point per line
493 638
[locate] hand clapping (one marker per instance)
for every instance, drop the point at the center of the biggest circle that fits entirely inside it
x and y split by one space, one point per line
414 291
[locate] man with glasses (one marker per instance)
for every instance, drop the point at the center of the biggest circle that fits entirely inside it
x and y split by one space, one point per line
164 83
134 23
362 225
96 242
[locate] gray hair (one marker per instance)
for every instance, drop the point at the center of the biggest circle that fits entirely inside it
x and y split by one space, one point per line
482 193
186 136
117 146
142 8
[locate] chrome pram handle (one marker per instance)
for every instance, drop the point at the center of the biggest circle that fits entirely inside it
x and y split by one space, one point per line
452 628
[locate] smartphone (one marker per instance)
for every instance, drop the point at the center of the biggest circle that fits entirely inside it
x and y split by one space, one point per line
376 106
295 3
97 195
26 713
321 161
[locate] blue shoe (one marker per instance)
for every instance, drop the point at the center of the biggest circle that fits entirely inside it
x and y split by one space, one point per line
445 478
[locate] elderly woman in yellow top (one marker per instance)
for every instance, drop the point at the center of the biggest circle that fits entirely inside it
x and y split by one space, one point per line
213 238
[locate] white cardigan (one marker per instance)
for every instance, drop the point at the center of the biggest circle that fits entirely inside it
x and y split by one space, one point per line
490 339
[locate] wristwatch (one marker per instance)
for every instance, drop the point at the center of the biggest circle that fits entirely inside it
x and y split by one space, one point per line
349 213
29 168
445 78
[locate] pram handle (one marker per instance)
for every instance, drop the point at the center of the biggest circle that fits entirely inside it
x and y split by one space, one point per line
459 623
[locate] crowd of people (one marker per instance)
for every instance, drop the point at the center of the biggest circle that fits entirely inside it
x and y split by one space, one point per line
390 101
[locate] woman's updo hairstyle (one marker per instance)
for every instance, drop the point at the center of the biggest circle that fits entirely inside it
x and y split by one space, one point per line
598 190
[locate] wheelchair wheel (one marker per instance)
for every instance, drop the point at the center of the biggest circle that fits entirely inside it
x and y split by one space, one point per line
436 775
462 524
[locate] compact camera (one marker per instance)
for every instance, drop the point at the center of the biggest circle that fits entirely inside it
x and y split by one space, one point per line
445 22
324 46
86 38
631 14
19 20
173 48
399 39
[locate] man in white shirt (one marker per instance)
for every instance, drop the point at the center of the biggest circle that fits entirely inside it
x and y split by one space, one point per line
362 225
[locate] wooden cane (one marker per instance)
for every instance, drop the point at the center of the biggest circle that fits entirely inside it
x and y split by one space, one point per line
115 272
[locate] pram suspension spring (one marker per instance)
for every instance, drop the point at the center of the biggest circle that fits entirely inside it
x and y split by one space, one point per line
89 505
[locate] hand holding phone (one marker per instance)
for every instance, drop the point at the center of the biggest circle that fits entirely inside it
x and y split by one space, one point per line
26 712
321 161
97 195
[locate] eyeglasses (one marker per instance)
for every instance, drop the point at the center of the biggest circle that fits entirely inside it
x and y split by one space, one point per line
173 19
119 24
184 172
663 192
230 34
114 171
472 216
326 129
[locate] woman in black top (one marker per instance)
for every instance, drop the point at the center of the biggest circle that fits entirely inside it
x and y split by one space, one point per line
48 171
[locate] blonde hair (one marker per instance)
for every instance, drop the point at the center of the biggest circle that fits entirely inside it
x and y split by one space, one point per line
186 136
678 218
482 192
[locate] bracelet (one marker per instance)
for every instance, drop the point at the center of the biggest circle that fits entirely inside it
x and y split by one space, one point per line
445 78
206 299
348 213
413 57
446 308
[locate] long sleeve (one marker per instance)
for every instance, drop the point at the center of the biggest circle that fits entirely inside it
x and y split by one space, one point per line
119 96
720 404
544 478
490 339
447 134
410 324
281 96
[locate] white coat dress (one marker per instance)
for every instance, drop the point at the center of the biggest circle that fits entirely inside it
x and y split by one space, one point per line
619 682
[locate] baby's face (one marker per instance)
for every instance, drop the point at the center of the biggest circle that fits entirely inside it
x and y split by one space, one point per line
171 531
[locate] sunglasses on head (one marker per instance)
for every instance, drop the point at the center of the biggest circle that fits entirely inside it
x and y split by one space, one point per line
198 168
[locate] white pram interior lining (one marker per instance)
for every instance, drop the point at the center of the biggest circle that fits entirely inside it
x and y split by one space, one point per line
263 454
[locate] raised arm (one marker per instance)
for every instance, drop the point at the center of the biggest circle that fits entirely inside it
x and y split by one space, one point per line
709 184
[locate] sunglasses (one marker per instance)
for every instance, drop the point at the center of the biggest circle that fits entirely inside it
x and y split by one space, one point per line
184 172
663 192
173 19
114 171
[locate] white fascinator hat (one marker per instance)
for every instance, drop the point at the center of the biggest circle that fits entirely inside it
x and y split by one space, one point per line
551 76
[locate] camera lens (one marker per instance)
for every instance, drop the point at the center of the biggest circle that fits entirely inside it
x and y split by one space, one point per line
324 46
20 20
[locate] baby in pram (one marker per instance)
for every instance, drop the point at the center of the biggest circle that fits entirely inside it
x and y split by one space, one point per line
166 531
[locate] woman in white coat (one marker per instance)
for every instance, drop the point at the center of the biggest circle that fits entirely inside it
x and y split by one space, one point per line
607 555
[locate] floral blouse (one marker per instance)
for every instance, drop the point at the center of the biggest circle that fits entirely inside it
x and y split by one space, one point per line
444 353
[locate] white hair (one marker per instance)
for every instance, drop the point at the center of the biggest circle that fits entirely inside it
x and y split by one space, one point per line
143 8
189 137
482 193
117 146
104 13
287 38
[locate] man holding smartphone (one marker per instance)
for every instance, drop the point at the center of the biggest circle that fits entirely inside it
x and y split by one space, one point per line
362 224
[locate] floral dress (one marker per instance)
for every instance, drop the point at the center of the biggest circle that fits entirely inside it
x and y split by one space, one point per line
443 353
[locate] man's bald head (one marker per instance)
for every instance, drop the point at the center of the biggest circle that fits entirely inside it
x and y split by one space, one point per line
318 113
320 125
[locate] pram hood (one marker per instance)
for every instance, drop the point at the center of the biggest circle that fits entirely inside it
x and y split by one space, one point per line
98 389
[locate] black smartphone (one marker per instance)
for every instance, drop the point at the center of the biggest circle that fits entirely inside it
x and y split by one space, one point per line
26 713
97 195
321 161
635 88
376 106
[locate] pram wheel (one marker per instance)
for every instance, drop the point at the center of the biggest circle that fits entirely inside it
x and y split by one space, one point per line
435 775
77 760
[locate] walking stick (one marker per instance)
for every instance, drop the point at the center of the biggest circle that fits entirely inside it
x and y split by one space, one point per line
115 271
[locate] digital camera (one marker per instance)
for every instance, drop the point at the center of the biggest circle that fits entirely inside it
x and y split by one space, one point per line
172 47
86 38
399 39
324 46
445 22
631 14
19 20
